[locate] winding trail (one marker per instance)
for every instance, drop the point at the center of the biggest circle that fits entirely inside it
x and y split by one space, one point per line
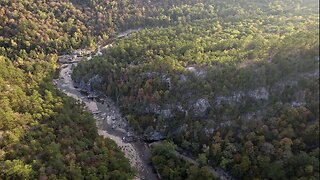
109 121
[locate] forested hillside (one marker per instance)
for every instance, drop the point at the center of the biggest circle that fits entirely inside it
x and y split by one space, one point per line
232 82
47 135
44 134
29 28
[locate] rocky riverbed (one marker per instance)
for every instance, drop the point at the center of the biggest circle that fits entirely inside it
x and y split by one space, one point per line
110 122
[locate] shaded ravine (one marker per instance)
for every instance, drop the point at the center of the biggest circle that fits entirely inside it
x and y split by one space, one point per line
110 122
215 171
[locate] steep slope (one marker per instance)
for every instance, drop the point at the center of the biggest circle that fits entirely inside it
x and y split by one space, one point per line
237 86
47 135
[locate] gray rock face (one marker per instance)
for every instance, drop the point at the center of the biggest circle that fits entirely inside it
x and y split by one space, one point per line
149 74
95 80
166 80
311 74
154 136
279 87
89 86
226 124
259 94
236 97
198 72
197 108
84 86
166 113
180 108
209 131
201 106
183 78
164 77
150 108
297 104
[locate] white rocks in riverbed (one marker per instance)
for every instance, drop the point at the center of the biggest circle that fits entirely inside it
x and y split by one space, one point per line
96 112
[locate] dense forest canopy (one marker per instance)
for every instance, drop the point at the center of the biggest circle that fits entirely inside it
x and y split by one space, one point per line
234 83
47 135
43 133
